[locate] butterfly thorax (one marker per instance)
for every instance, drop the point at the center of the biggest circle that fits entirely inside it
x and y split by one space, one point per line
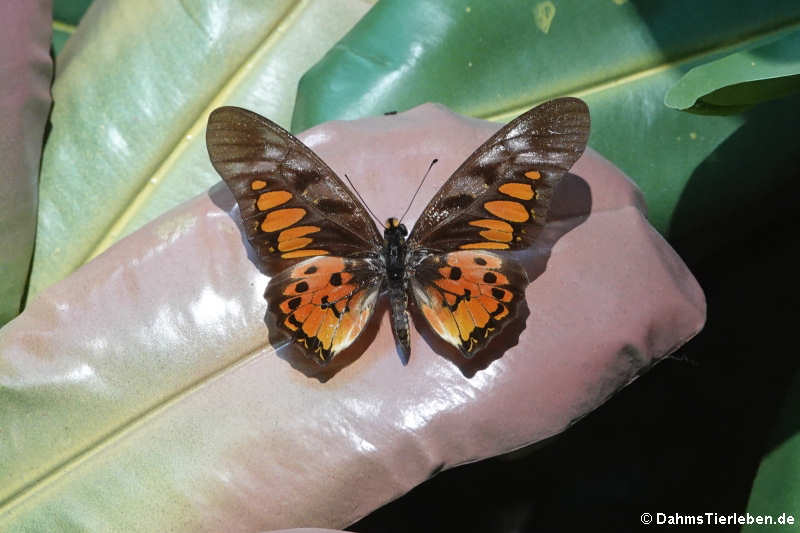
394 250
395 260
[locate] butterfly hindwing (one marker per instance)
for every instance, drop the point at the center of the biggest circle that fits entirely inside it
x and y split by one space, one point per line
469 296
325 302
499 198
292 204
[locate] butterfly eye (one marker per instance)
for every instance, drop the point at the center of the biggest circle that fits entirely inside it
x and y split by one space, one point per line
403 230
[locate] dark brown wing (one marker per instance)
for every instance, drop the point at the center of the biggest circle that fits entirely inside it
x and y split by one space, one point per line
292 204
499 198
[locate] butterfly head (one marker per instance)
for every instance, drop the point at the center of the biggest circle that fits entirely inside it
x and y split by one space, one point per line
394 227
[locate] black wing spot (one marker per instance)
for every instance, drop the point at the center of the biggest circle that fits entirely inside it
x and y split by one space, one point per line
498 293
294 303
455 273
336 279
301 287
460 201
332 205
480 261
489 277
310 270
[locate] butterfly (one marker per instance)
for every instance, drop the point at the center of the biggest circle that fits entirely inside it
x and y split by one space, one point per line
331 262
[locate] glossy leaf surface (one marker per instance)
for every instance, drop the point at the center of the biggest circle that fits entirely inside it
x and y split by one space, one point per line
25 73
496 60
741 80
134 86
66 16
143 392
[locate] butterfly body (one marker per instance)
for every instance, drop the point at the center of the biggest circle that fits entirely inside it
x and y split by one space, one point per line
331 263
398 273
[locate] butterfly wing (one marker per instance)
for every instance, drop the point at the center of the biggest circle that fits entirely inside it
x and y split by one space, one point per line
293 205
325 302
468 296
498 199
305 226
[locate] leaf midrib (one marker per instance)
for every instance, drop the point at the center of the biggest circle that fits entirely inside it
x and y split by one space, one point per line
152 183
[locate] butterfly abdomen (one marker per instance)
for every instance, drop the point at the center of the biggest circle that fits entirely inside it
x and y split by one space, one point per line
398 300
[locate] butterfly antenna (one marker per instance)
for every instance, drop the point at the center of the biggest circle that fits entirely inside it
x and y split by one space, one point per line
362 200
418 188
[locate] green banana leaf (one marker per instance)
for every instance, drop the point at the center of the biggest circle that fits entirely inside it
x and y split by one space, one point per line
133 88
776 489
26 70
66 15
495 60
741 80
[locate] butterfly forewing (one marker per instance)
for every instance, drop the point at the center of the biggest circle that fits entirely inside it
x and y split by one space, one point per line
293 205
499 198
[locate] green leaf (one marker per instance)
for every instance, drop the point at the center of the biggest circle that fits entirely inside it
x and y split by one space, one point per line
776 488
66 15
496 60
132 94
740 80
24 103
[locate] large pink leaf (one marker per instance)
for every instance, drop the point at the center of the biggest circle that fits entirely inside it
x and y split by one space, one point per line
143 393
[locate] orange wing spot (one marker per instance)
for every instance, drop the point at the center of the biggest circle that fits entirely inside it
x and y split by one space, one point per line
468 260
490 304
327 329
288 324
312 323
463 320
485 246
294 244
533 174
282 218
334 294
290 305
490 223
348 329
479 314
459 287
307 285
268 200
494 235
484 276
302 313
298 231
523 191
322 266
513 211
303 253
450 298
257 185
441 320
